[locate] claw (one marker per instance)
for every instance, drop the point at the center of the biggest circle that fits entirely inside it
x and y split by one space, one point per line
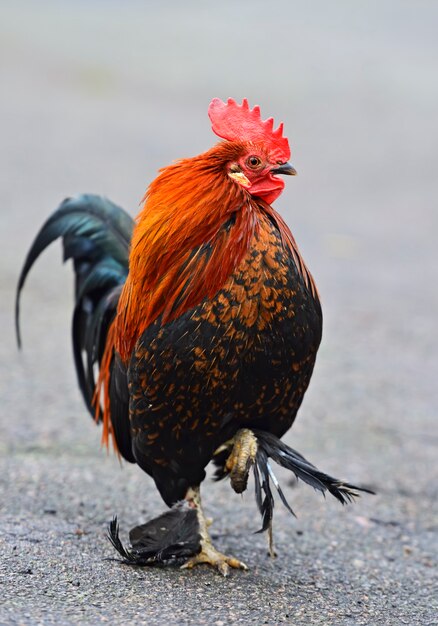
241 459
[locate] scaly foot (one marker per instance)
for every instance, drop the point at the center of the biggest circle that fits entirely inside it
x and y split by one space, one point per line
216 559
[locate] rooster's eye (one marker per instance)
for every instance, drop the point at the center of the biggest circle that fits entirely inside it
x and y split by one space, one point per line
253 162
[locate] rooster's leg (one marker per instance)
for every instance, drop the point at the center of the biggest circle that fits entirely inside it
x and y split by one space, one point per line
208 553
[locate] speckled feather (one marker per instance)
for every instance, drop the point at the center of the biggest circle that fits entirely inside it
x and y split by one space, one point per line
241 358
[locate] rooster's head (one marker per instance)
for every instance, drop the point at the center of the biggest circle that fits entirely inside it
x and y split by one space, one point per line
263 152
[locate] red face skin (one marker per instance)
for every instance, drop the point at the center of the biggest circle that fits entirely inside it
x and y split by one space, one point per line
254 172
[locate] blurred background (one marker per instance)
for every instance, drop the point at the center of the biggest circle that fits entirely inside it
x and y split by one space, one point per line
97 96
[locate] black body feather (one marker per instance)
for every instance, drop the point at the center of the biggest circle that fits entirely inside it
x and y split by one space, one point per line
167 540
96 235
270 447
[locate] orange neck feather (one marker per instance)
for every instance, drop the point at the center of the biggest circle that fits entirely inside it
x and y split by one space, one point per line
194 229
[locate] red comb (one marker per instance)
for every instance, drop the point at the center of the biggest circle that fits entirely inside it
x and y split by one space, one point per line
237 122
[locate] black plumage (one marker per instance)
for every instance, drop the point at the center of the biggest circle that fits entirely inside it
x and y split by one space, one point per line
270 447
166 540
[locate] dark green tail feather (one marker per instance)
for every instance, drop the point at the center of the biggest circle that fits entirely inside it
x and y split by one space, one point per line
96 235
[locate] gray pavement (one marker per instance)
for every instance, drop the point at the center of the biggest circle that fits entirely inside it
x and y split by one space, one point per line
96 97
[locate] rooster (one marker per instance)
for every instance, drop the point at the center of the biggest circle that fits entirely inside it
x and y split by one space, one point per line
204 323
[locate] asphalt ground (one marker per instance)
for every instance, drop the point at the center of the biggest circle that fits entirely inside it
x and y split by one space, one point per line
95 97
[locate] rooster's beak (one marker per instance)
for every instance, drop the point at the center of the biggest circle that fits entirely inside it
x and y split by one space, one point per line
286 168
